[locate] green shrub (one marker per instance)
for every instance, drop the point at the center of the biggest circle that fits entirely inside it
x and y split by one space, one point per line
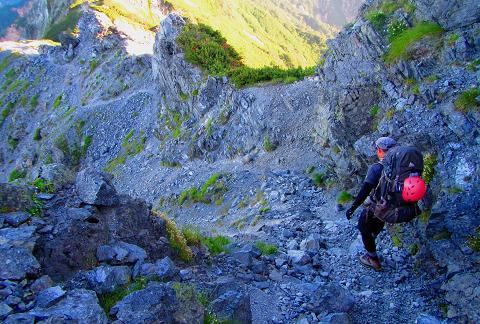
268 146
429 163
36 135
57 101
431 79
443 235
6 112
216 244
93 65
397 241
183 96
395 28
192 236
413 249
170 164
17 174
5 63
344 197
108 300
195 195
425 216
389 114
266 249
13 143
473 66
467 101
176 238
401 43
473 242
43 185
377 19
206 48
319 178
66 24
374 110
452 39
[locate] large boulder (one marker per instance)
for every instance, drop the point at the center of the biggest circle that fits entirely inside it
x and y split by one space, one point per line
120 253
78 305
103 279
154 304
463 296
233 305
330 298
95 188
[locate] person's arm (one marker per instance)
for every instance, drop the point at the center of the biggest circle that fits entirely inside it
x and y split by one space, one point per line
371 181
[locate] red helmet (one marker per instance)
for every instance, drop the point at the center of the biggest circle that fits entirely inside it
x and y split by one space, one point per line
414 189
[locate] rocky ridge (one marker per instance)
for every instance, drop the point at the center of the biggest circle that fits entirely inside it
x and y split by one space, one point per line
169 127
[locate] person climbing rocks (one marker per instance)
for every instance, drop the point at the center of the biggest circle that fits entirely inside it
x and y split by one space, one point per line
390 191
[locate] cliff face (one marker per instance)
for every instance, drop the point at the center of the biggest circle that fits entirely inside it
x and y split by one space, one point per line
161 126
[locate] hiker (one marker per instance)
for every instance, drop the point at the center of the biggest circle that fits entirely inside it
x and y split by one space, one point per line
397 186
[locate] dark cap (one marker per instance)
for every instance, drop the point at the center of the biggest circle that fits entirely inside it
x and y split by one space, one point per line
385 143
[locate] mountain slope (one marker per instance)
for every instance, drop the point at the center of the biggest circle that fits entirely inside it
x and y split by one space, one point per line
266 33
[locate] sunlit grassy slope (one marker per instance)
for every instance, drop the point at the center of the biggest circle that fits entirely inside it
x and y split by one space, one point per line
265 33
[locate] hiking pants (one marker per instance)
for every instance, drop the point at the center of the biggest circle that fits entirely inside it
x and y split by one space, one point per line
369 226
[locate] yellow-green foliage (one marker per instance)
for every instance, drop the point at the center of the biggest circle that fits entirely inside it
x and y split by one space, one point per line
400 44
212 185
344 197
425 216
429 163
176 238
474 241
137 14
467 101
208 49
43 185
216 244
268 146
192 236
108 300
68 23
17 174
265 33
57 101
266 249
131 146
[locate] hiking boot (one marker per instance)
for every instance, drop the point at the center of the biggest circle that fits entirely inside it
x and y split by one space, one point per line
370 261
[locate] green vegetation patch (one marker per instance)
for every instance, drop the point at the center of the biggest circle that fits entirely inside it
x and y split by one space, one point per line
268 145
36 134
108 300
210 191
43 185
176 238
57 101
344 197
429 163
399 45
266 248
131 146
16 174
207 48
192 236
66 24
216 244
467 101
473 242
377 19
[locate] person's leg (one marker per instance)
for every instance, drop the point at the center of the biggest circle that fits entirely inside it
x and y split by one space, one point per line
369 227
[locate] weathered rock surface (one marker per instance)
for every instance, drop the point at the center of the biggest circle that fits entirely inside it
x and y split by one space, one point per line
103 279
95 188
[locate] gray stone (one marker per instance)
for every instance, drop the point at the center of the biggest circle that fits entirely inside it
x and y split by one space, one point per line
336 318
5 310
17 218
298 257
243 257
19 237
313 242
156 302
427 319
49 296
95 188
275 275
103 279
78 305
233 305
259 267
331 298
18 263
41 283
166 269
120 253
279 262
463 295
21 318
252 250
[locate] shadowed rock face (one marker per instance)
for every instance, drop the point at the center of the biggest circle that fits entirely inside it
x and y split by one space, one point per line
78 232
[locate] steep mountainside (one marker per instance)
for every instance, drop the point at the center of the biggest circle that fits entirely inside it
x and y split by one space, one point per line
260 165
282 33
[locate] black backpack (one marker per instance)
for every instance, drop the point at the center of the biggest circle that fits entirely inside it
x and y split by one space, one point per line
400 163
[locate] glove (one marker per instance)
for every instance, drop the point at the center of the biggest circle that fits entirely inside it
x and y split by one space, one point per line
349 212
